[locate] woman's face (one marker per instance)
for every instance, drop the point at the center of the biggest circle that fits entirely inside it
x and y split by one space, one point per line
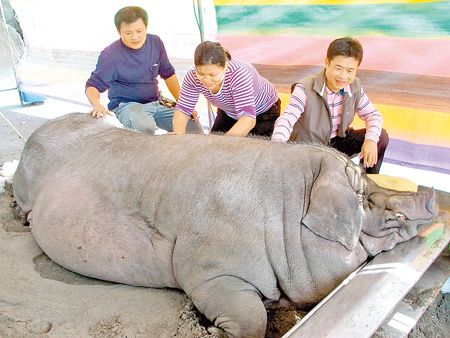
211 76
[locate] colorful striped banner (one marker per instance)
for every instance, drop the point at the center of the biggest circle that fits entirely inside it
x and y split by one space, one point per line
418 20
312 2
415 56
405 68
419 156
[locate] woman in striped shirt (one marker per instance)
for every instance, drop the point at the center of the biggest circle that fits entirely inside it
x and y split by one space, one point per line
246 102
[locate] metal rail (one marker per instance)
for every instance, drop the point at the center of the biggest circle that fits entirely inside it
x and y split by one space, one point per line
361 303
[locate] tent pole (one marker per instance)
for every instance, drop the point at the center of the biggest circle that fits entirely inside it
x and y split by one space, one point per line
199 17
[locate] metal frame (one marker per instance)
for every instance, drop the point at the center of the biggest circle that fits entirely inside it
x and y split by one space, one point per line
362 302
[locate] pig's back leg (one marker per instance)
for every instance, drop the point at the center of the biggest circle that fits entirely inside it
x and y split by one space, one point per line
88 232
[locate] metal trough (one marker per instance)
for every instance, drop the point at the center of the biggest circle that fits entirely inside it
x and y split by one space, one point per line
362 302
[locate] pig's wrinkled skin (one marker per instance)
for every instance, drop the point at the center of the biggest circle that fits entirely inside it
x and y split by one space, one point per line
231 221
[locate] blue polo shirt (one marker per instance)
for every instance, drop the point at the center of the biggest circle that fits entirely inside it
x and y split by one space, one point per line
129 74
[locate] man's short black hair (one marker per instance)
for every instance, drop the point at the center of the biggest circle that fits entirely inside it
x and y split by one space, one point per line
129 15
346 47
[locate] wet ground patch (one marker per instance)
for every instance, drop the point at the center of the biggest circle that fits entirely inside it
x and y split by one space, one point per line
50 270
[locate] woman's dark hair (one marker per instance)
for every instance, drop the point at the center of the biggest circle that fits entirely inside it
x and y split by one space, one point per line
346 47
129 15
211 53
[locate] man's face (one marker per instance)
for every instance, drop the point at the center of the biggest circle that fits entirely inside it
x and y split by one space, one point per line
340 72
133 35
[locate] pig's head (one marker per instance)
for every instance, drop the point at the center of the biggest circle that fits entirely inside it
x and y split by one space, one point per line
391 216
350 208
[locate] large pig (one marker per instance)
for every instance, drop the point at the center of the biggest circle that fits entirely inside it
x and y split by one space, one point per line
231 221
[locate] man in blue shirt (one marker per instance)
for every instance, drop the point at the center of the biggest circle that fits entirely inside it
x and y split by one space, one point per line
128 69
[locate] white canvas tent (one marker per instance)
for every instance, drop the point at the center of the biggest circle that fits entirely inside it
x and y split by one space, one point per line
63 39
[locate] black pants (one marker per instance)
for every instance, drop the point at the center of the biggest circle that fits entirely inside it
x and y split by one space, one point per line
351 145
264 122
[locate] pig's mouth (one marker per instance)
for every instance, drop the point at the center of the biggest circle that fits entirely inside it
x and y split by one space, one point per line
401 222
396 228
400 219
395 220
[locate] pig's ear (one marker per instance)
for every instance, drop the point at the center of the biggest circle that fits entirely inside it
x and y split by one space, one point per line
334 211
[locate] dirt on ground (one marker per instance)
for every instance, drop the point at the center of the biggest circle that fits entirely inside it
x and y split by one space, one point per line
436 320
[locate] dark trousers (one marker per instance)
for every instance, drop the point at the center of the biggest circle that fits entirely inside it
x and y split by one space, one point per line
264 122
351 145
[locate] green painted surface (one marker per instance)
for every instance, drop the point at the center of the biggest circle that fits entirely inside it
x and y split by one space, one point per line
434 236
420 20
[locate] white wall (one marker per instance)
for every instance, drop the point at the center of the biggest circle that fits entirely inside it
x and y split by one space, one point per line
89 24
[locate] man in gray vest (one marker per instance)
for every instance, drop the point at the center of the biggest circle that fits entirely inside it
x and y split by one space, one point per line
322 107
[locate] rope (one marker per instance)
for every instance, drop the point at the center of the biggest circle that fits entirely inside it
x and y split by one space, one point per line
13 128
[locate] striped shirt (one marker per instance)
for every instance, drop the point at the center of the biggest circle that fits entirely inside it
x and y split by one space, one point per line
243 93
297 102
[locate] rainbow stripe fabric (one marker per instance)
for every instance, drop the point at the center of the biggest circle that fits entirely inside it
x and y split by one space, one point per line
405 70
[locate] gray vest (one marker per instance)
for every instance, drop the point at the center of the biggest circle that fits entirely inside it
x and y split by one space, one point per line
314 125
